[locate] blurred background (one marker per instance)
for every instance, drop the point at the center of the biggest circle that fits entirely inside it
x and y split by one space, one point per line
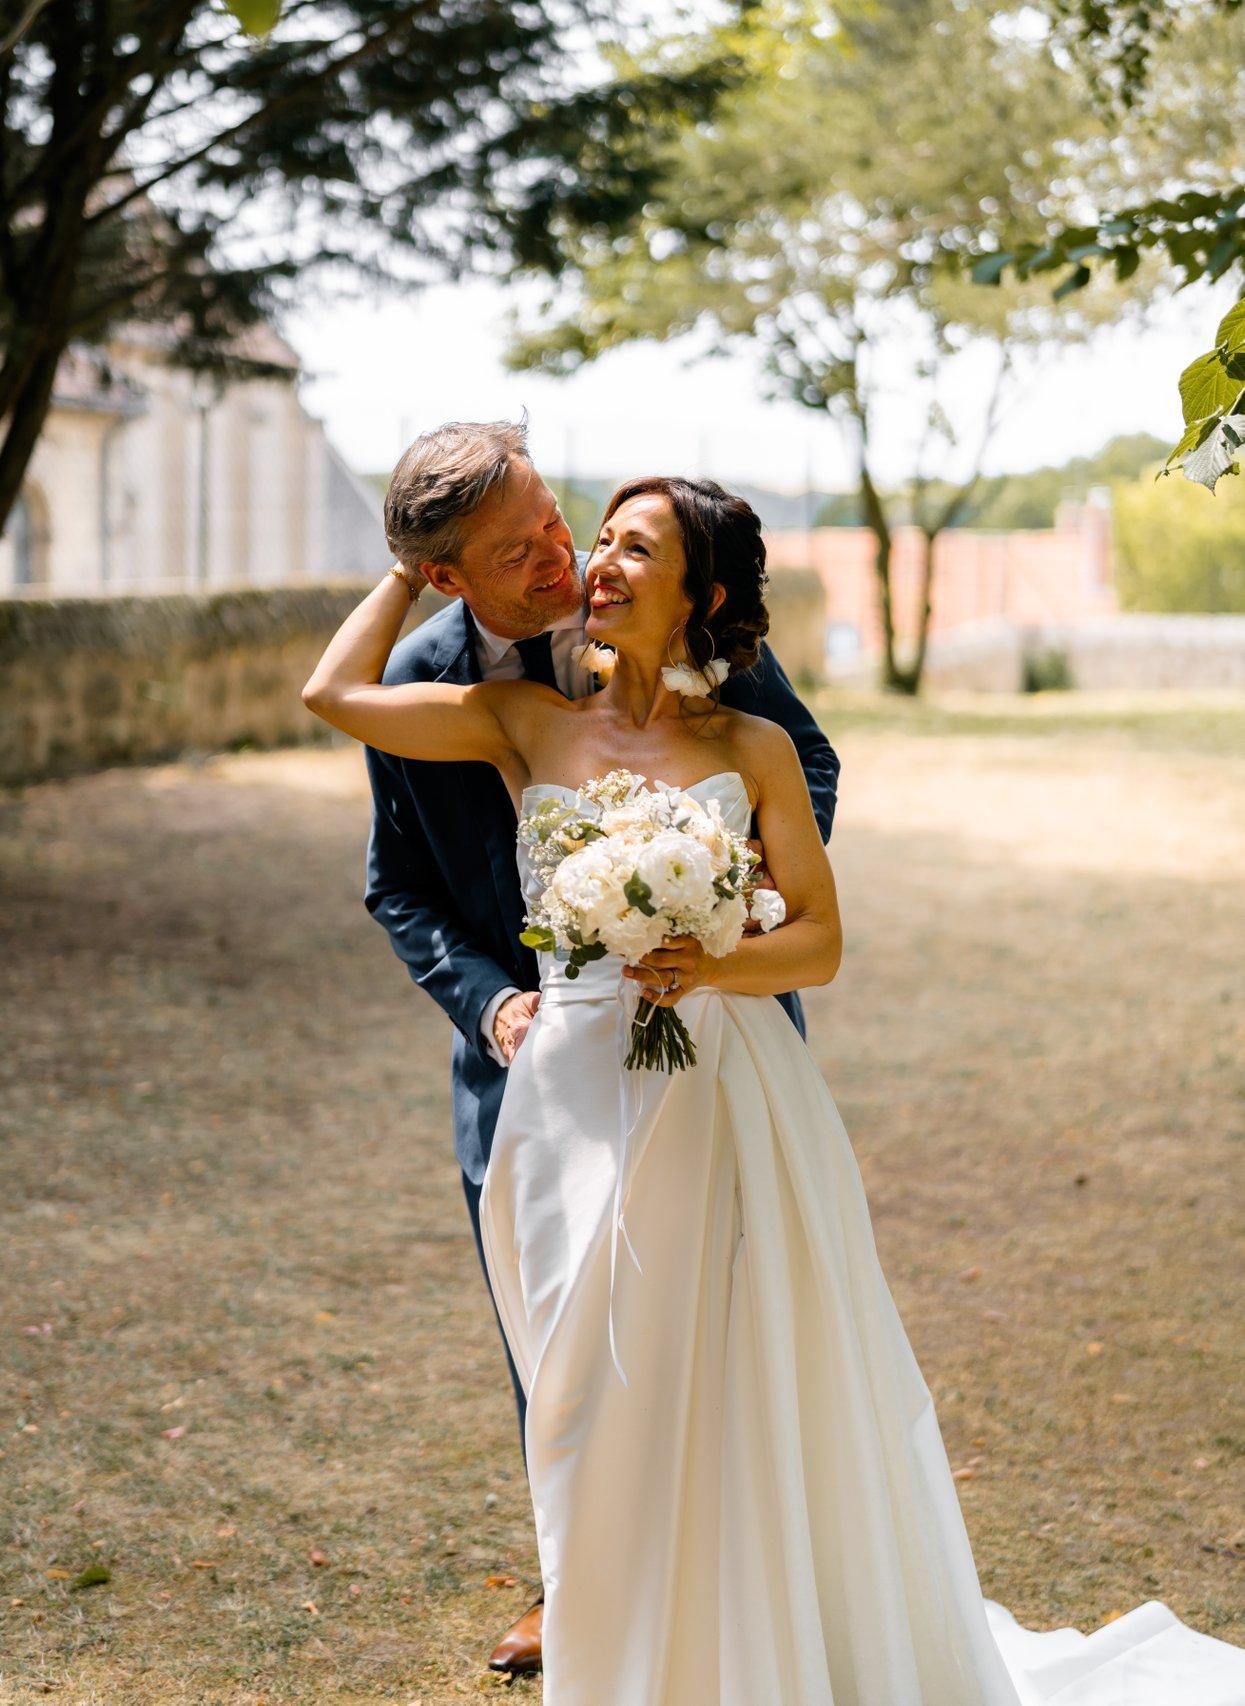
953 295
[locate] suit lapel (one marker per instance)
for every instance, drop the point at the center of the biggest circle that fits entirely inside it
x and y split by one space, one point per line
455 657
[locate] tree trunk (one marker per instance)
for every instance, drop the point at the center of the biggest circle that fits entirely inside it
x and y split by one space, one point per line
909 680
25 423
893 678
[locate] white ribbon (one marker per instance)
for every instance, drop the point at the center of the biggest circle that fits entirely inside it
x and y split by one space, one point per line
630 1107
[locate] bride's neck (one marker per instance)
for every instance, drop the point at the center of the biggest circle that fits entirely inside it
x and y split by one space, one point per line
636 691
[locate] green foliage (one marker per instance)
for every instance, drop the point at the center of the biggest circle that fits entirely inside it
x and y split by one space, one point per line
1166 65
166 166
817 218
257 17
1032 499
1177 548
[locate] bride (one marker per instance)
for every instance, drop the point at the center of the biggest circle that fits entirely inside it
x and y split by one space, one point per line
741 1492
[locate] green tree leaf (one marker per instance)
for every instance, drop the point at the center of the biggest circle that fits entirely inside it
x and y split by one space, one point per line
1210 385
94 1576
257 17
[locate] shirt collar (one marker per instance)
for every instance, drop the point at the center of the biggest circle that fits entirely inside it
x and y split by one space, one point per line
495 646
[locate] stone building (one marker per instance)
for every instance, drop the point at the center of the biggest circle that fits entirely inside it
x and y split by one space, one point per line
151 478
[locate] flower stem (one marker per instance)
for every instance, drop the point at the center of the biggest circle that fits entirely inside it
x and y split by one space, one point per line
660 1040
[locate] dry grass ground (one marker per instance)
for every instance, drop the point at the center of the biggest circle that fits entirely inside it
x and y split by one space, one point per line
231 1207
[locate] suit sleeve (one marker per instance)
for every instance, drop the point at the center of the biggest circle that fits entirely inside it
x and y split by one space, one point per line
407 893
765 691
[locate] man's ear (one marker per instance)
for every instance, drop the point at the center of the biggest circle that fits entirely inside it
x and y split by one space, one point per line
443 578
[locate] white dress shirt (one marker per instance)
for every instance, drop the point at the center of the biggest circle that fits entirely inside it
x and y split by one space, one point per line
499 661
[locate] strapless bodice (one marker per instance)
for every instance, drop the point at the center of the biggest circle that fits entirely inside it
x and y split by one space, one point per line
599 978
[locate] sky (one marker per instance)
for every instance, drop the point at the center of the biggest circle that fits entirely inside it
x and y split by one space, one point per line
379 372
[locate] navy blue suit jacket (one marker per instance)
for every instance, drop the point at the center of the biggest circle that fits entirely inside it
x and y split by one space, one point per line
441 870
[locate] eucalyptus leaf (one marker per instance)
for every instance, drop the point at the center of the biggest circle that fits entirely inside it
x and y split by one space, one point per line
639 895
538 936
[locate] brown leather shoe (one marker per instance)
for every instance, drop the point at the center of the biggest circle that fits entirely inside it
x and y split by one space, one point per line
518 1651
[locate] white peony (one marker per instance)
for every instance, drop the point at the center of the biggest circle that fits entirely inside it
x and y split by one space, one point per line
631 934
589 884
677 870
725 927
768 908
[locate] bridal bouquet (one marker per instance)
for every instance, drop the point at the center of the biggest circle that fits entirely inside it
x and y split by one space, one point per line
622 868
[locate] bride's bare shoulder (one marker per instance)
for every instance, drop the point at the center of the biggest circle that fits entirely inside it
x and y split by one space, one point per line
761 749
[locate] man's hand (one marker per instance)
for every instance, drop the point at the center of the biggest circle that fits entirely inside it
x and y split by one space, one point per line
513 1019
671 971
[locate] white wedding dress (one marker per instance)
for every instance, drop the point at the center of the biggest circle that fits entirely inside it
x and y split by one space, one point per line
761 1513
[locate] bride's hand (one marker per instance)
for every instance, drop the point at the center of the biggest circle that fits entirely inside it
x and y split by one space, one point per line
671 971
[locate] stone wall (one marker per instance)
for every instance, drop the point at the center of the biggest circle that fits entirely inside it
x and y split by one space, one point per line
1137 652
91 682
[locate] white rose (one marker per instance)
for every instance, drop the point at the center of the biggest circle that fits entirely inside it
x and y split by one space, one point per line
676 868
709 830
631 819
725 927
768 908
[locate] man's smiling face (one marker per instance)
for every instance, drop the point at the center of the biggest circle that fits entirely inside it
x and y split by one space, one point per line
516 571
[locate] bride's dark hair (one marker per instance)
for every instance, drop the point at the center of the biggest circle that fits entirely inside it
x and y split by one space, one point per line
721 542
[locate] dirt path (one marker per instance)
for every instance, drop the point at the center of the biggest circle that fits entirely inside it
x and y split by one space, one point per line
231 1206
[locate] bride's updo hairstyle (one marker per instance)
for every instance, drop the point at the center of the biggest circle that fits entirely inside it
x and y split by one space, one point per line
721 542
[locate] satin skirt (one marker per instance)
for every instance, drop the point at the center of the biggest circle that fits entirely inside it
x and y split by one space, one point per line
744 1500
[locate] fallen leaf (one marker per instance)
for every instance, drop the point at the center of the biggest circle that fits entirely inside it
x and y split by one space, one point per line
227 1532
202 1564
94 1576
60 1575
1111 1616
354 1590
965 1474
970 1273
325 1315
173 1433
317 1557
501 1582
1094 1348
1123 1398
311 1607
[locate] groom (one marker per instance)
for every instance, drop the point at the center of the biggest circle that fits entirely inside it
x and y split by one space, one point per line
467 508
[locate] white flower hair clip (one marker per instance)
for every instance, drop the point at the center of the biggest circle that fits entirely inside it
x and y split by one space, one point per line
597 659
696 683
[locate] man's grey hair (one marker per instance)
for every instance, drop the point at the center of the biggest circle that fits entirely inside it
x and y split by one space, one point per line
441 480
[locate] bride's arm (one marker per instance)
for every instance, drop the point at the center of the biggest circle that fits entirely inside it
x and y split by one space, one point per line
433 719
804 950
808 947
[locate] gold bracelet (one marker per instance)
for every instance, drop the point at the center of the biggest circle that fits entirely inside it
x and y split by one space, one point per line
413 587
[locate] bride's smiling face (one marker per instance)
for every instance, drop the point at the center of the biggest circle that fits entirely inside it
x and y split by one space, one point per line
634 579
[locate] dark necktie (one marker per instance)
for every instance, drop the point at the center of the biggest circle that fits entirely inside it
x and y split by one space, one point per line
536 656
